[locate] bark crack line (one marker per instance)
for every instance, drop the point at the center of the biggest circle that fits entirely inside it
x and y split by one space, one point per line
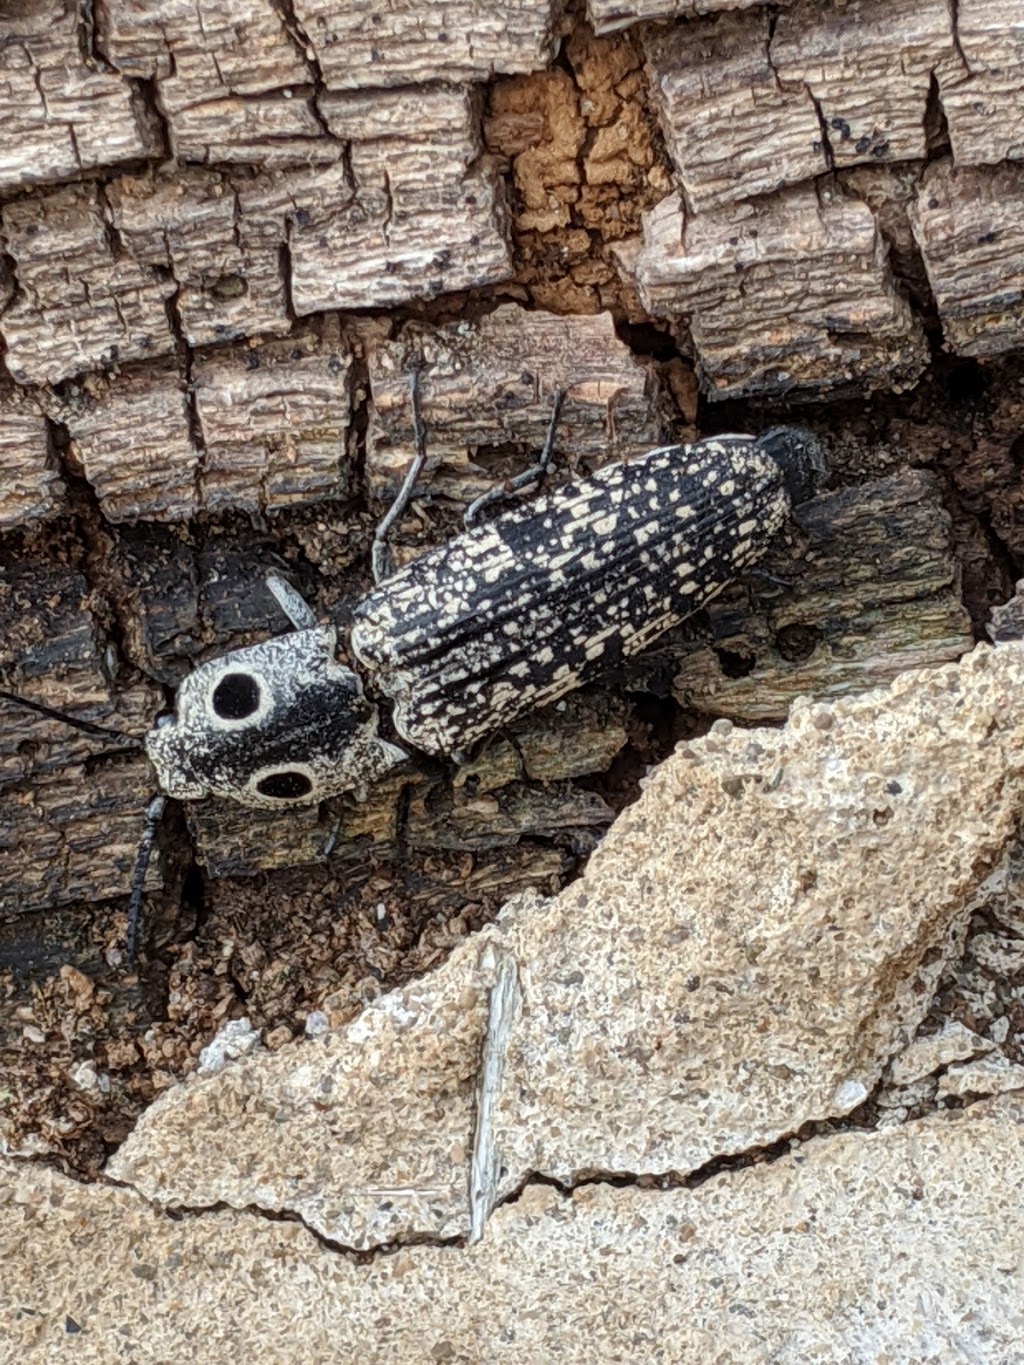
302 43
184 356
954 26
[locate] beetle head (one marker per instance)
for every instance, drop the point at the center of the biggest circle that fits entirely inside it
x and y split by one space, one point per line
800 456
277 724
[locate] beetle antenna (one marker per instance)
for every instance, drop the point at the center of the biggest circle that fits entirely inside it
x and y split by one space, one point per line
90 728
154 811
381 560
528 478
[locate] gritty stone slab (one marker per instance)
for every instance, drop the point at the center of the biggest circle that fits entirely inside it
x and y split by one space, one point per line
760 933
953 1043
901 1246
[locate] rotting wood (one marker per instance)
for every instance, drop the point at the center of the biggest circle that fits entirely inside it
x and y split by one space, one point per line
985 108
878 593
234 82
969 225
868 66
271 425
69 819
275 421
608 16
581 148
220 241
132 479
789 293
733 130
492 384
78 306
31 487
413 211
62 118
461 40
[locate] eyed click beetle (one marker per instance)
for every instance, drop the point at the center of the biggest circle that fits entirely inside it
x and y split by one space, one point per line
506 617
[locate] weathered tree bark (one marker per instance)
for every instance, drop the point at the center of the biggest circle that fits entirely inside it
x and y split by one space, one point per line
225 245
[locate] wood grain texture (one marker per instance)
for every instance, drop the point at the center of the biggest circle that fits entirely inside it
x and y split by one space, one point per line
31 489
428 215
80 303
234 82
70 803
732 129
411 212
129 437
415 42
878 593
491 384
218 242
984 104
750 102
868 66
608 16
62 115
969 224
790 293
274 419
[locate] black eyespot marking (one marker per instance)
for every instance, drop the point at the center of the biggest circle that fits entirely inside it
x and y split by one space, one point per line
236 696
286 785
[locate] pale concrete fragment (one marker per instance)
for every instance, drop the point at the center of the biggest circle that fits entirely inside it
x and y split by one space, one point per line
953 1043
901 1246
412 42
984 105
793 292
969 224
987 1076
750 945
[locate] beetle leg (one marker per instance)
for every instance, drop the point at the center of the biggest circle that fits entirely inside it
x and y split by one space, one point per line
381 560
154 813
291 601
529 478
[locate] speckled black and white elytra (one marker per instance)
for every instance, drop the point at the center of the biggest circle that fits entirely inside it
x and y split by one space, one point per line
506 617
